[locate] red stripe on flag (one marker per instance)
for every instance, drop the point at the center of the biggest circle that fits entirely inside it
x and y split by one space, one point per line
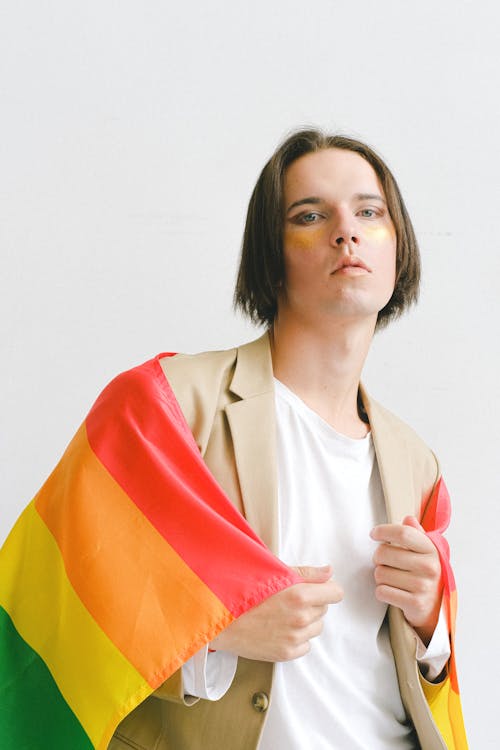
436 515
138 432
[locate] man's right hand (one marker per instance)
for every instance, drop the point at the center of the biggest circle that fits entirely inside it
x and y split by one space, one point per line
281 627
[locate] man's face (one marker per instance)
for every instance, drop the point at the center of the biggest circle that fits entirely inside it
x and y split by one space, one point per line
339 242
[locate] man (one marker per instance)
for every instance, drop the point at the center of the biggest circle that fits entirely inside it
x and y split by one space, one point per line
330 481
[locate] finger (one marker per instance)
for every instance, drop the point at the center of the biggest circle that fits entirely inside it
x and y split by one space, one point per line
404 559
317 612
312 630
403 536
300 643
312 573
326 593
415 611
313 613
394 596
402 579
304 595
414 522
292 652
315 629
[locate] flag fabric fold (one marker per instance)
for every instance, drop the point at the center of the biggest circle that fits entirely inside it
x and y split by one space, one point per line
128 560
444 698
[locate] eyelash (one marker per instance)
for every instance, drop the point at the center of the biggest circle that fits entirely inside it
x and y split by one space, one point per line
301 218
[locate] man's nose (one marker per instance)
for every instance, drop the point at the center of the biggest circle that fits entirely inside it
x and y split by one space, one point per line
346 239
343 233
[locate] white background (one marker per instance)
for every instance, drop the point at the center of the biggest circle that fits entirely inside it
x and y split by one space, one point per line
131 136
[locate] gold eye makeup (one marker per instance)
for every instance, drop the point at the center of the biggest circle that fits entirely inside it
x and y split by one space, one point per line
379 232
303 238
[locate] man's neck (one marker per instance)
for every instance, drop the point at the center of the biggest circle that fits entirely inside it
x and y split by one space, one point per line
323 365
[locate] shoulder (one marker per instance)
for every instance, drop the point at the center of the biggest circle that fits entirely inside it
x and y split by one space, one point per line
205 384
200 383
198 378
245 368
199 369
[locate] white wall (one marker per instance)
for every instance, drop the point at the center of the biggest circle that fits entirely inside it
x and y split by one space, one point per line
131 137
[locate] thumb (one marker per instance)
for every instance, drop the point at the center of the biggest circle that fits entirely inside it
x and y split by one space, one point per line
314 574
413 522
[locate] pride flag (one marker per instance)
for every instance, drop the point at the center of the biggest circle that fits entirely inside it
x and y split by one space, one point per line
444 697
128 560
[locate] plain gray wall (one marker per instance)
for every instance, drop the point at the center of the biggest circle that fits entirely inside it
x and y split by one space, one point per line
131 136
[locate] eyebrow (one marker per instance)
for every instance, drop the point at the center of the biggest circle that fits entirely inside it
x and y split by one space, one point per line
314 200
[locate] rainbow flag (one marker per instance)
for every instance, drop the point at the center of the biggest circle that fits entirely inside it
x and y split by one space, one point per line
444 698
128 560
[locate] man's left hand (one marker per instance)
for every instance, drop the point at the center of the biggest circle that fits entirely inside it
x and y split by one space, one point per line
408 573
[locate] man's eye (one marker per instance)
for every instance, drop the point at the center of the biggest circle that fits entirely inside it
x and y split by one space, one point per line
368 213
309 218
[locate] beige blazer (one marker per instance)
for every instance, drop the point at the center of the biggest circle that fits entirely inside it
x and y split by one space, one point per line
227 398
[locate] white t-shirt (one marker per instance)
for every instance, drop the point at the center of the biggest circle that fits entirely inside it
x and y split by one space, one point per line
344 694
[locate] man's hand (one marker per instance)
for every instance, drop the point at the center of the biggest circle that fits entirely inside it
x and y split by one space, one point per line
280 628
408 573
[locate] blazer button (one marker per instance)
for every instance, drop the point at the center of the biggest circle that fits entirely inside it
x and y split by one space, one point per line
260 701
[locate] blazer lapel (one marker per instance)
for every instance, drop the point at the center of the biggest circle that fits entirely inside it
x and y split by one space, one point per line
393 462
252 424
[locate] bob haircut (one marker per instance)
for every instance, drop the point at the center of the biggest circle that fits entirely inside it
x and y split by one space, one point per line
261 269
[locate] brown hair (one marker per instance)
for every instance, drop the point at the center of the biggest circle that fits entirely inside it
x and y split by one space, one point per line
261 267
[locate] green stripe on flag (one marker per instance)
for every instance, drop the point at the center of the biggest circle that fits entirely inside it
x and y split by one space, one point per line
33 713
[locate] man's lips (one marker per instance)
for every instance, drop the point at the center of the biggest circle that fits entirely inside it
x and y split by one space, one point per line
352 262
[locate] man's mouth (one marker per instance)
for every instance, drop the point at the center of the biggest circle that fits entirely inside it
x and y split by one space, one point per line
351 263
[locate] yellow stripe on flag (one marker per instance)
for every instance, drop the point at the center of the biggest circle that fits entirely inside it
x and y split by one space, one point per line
444 705
47 613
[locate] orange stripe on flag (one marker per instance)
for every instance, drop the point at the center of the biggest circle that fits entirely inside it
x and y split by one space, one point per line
134 584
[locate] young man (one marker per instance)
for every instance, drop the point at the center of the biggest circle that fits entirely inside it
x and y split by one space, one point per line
333 483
